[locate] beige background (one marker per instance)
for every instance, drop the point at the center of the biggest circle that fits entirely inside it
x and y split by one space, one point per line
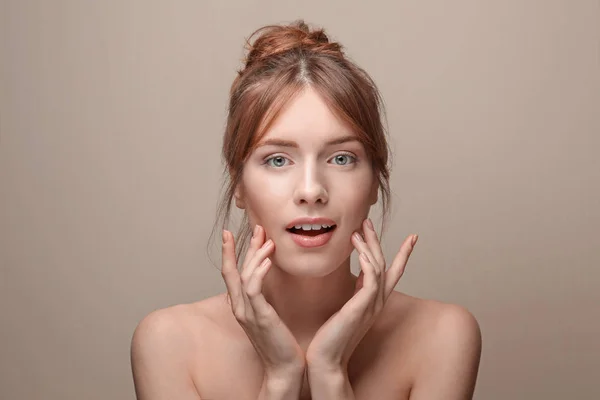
111 122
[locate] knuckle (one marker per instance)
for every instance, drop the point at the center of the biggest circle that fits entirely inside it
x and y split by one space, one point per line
252 292
249 317
265 320
245 280
240 315
226 273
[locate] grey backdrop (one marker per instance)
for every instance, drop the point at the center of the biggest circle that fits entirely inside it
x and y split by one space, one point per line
111 118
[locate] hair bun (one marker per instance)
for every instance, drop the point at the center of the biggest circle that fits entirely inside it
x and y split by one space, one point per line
279 39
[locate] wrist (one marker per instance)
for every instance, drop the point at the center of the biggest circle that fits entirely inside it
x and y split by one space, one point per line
285 373
284 377
332 374
326 367
282 384
329 382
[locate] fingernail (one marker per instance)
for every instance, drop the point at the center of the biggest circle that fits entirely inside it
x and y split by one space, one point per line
268 243
255 231
224 236
370 224
414 240
357 236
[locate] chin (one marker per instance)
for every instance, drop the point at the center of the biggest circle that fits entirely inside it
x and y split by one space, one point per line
312 271
308 264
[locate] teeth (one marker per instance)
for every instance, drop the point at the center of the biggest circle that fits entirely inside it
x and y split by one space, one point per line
308 227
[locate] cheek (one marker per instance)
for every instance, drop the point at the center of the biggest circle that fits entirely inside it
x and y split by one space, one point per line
266 195
268 190
355 206
356 194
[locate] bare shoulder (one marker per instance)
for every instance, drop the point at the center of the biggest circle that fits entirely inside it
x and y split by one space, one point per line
441 318
164 350
446 339
181 326
434 325
168 326
428 314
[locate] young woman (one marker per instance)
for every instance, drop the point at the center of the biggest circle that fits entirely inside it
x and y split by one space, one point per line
306 156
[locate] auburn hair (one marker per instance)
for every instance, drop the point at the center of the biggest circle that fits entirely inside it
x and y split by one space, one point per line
281 62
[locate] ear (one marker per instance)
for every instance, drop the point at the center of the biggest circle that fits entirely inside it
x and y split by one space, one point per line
239 198
374 195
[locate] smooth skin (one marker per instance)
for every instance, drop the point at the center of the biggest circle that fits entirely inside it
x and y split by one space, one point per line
280 352
306 325
335 342
163 363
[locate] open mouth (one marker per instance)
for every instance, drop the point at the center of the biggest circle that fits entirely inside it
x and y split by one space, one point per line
310 231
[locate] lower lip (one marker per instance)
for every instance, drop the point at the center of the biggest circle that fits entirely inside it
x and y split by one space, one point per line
312 241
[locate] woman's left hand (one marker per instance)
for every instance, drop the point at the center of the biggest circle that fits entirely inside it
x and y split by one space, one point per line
336 340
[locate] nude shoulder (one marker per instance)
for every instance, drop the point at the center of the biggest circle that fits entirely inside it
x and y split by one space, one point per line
186 322
453 330
442 337
430 319
169 328
430 311
161 346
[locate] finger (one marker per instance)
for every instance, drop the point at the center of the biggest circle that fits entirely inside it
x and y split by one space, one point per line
373 242
254 290
396 270
365 298
369 278
259 256
362 247
375 254
229 268
255 242
253 262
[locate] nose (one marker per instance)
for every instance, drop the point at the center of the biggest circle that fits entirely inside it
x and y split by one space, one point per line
311 188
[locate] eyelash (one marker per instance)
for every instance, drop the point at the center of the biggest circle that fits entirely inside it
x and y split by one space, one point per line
351 156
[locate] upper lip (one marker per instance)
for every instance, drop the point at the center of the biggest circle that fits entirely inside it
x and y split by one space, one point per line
310 221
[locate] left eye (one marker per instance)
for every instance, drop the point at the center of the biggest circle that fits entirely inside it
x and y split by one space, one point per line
277 161
343 159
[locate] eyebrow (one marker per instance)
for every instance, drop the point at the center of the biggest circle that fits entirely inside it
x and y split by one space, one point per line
290 143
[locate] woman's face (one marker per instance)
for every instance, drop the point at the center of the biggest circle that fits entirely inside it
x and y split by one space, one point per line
308 165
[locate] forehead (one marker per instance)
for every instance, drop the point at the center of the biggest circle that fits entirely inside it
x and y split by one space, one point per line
307 116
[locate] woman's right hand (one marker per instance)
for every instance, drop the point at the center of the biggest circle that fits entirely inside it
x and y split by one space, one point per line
281 354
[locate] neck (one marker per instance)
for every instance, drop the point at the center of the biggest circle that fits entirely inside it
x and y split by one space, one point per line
304 304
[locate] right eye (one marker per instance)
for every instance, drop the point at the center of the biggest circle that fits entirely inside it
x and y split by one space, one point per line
276 161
